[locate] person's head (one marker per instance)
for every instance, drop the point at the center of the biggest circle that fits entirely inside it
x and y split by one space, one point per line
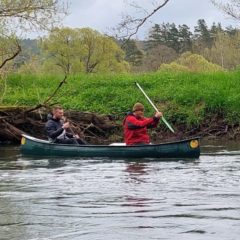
57 112
138 109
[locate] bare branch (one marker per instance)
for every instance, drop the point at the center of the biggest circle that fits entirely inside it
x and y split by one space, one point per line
232 8
32 14
56 90
132 25
49 98
142 21
18 50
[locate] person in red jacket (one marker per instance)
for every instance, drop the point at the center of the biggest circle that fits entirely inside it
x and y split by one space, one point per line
136 125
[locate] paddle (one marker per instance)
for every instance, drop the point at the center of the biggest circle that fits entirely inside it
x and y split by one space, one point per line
72 132
149 100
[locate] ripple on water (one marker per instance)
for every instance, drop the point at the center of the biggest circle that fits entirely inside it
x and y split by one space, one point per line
118 199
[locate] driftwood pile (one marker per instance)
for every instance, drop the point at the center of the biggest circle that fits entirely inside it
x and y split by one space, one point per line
103 129
14 121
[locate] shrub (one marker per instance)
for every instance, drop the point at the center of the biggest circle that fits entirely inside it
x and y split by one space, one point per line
189 62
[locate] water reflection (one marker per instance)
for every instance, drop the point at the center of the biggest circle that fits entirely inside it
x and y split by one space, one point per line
219 147
9 152
135 171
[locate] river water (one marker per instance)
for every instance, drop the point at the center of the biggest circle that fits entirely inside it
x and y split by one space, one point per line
48 199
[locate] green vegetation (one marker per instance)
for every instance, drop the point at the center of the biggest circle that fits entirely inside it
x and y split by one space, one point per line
184 97
82 50
189 62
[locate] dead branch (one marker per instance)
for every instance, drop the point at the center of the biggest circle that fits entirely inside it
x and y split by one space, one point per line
142 21
45 103
232 8
125 24
19 49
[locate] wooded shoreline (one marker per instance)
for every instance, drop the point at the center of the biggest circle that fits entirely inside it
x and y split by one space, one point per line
103 129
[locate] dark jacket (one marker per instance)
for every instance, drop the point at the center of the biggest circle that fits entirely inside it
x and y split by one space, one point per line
135 129
54 129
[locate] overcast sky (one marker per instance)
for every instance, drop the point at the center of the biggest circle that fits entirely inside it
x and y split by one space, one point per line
102 15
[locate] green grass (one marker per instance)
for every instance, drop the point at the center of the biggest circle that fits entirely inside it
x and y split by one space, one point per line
184 98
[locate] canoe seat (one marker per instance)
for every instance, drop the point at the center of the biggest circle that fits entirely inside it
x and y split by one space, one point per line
117 144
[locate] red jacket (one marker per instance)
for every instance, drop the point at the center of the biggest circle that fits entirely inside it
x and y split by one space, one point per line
135 129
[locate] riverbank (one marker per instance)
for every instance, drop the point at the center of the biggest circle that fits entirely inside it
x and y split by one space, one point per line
202 104
15 121
104 129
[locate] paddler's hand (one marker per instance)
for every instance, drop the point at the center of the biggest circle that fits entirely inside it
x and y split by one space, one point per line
158 115
65 125
76 136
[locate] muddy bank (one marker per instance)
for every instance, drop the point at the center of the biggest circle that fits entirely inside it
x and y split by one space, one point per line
104 129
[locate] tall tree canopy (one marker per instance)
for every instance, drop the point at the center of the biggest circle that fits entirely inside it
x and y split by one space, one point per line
177 38
25 15
82 50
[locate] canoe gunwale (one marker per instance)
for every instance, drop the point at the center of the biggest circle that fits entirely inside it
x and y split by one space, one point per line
111 146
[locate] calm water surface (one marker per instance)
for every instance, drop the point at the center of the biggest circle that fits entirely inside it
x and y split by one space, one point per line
100 199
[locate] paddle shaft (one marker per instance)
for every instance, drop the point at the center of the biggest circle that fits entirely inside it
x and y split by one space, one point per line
72 132
150 101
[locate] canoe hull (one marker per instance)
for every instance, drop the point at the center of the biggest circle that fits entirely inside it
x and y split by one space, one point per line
182 149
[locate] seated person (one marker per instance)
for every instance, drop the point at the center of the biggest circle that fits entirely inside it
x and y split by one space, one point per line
56 129
136 125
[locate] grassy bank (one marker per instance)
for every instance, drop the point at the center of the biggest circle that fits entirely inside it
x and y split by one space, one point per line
184 98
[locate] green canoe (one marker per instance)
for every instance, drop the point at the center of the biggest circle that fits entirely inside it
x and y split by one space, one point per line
188 148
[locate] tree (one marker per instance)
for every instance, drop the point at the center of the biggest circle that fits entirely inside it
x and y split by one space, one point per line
133 55
40 14
129 26
225 51
202 33
178 38
231 31
83 50
185 38
155 35
100 53
29 50
9 48
156 56
62 46
191 63
25 15
231 8
173 37
215 29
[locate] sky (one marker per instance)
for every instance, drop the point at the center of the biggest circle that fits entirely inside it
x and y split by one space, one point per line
103 15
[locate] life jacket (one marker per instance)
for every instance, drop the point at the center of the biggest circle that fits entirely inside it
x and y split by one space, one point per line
135 129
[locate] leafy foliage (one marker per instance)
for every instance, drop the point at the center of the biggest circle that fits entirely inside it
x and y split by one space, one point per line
83 50
28 14
183 97
21 16
216 44
191 63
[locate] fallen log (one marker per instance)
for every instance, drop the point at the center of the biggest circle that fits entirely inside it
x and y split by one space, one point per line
15 121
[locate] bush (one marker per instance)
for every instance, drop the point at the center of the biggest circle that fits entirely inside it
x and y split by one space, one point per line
189 62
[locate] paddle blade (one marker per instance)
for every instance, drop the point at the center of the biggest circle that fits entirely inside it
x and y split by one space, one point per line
167 124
